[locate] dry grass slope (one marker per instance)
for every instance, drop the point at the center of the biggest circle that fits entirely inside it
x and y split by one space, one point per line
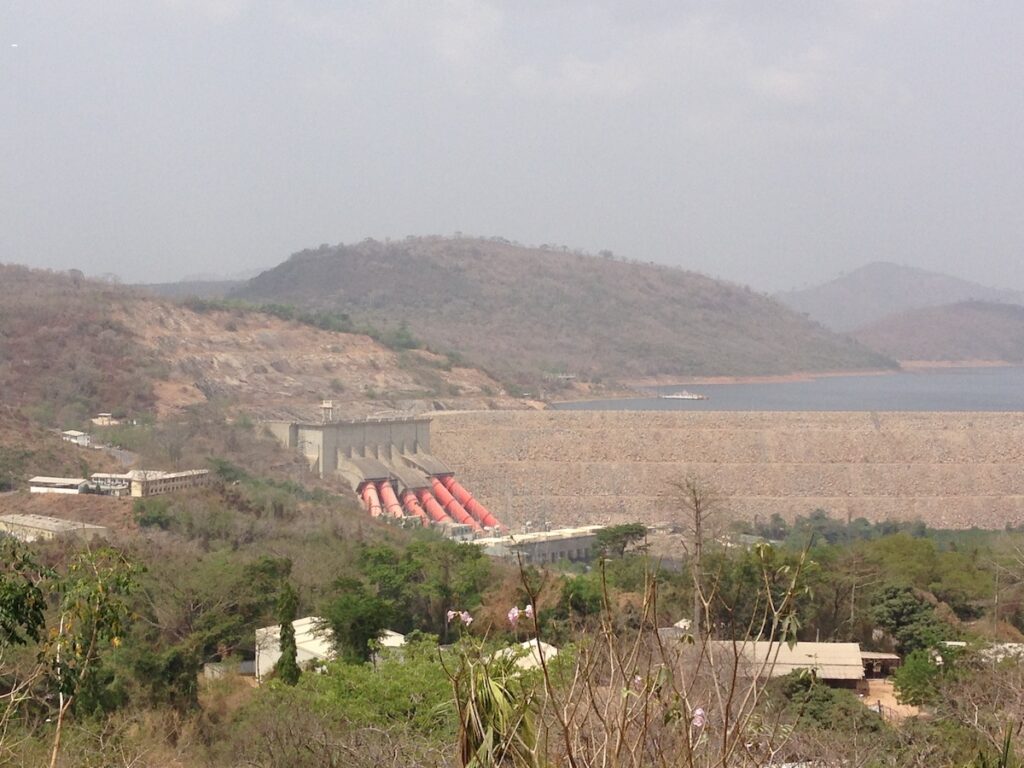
523 311
71 347
62 353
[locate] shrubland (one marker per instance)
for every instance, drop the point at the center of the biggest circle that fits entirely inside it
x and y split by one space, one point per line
188 594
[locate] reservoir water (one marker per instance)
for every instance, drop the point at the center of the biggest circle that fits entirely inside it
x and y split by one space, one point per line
951 389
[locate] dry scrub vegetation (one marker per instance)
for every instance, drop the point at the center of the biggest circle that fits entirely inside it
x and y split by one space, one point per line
62 352
521 312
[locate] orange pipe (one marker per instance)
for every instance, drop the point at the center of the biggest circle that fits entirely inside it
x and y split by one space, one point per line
413 507
474 507
387 495
433 508
452 506
371 500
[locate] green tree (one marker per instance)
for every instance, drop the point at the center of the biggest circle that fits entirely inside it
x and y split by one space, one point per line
910 620
917 680
22 600
581 595
355 617
615 539
820 706
93 613
423 583
287 666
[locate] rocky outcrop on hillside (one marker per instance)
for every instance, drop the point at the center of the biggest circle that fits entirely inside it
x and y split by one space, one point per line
277 368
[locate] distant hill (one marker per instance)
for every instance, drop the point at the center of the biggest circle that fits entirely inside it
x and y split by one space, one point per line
521 311
973 330
880 289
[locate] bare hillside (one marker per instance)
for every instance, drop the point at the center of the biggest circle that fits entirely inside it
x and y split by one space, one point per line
63 354
877 290
27 450
521 312
71 347
973 330
274 367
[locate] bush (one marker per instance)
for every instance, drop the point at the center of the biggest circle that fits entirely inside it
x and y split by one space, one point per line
152 513
917 681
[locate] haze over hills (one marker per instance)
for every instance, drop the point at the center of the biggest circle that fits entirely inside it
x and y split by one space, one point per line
972 330
878 289
521 311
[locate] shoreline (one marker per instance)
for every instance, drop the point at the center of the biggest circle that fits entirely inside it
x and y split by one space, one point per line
640 387
776 378
945 365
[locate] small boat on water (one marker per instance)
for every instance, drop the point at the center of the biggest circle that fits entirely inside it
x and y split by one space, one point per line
683 395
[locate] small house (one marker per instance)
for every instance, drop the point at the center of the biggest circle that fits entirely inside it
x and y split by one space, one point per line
43 484
43 528
311 644
81 439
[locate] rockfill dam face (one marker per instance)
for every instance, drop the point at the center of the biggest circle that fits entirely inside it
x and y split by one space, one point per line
953 470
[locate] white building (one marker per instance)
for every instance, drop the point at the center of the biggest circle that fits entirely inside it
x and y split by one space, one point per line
42 484
543 547
111 484
81 439
311 644
43 528
528 653
153 482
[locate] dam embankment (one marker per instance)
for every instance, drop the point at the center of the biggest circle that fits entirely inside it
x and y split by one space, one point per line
953 470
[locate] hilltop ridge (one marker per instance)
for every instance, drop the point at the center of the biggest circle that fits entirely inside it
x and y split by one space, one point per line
522 312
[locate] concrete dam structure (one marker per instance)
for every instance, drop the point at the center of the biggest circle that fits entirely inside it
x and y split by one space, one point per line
953 470
388 464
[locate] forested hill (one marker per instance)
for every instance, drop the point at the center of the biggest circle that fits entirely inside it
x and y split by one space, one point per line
972 330
520 311
877 290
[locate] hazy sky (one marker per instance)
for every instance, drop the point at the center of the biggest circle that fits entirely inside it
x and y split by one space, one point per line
769 142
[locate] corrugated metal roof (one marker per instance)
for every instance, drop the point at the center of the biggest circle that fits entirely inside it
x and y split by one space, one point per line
45 523
528 538
41 480
829 661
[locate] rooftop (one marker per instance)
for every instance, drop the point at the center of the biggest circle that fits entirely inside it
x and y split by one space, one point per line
308 633
44 523
42 480
829 661
536 536
159 474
